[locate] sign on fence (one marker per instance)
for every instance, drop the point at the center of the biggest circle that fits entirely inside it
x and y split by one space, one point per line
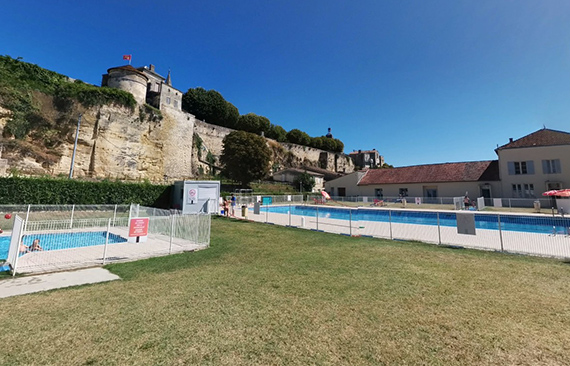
465 223
138 230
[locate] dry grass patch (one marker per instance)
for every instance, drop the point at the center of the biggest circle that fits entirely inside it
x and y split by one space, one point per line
266 295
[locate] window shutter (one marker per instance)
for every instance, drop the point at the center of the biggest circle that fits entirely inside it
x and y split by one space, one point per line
545 167
530 167
511 167
557 166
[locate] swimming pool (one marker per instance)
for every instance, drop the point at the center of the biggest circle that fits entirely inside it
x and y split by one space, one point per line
528 224
59 241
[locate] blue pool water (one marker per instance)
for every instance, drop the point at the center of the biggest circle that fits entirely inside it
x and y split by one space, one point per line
63 240
529 224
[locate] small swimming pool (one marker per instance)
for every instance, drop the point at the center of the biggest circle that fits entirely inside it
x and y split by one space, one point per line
59 241
529 224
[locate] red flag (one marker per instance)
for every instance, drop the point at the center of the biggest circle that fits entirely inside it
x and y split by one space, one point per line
127 57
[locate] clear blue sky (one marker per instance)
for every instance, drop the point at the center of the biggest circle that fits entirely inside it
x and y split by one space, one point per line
421 81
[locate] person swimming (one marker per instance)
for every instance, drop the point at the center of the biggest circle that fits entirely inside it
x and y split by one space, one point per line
35 247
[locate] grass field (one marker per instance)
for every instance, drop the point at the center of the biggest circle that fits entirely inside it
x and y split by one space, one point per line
267 295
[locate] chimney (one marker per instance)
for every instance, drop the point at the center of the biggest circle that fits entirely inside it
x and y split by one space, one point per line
510 139
152 67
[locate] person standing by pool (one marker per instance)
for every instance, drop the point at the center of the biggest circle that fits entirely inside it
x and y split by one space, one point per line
233 199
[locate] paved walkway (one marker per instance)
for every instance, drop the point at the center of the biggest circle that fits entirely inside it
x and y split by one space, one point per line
30 284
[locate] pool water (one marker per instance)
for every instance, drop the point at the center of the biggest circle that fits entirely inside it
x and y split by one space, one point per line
529 224
63 240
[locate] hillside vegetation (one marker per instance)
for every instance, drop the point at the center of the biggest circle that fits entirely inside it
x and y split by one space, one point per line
43 105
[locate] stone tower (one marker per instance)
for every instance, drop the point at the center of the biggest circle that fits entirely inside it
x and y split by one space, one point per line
129 79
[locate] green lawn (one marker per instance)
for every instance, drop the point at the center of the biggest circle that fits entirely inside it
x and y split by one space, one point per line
267 295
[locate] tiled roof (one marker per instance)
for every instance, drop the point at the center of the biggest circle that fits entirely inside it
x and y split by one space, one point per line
543 137
327 173
127 68
433 173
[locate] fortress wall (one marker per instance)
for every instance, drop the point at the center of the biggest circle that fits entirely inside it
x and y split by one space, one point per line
213 135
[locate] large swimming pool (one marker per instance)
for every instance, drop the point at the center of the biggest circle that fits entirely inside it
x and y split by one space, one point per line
63 240
529 224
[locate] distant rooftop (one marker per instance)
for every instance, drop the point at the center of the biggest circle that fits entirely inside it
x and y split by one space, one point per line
543 137
447 172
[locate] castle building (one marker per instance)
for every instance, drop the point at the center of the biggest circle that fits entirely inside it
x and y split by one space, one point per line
145 84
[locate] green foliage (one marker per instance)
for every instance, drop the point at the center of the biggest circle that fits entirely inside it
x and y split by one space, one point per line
305 180
48 191
299 137
253 123
245 157
198 143
18 81
210 106
277 132
153 114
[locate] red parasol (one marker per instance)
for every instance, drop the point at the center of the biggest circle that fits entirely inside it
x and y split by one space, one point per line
563 193
553 192
326 195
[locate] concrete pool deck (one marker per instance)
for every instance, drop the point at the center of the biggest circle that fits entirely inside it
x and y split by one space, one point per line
548 245
32 284
73 258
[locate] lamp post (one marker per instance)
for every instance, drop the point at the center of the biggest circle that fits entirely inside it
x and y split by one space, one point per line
74 148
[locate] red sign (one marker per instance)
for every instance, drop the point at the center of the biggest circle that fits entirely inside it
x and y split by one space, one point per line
138 227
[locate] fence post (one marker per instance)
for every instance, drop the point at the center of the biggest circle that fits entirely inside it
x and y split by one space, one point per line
114 215
500 231
317 216
350 221
20 238
171 233
27 216
266 212
289 214
390 221
438 229
71 219
106 242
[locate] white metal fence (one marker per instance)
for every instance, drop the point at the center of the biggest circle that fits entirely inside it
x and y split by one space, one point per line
540 235
545 204
83 240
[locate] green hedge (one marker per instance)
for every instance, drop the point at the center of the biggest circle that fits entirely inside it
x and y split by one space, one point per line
49 191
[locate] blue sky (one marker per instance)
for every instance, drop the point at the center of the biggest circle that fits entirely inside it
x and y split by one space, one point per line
421 81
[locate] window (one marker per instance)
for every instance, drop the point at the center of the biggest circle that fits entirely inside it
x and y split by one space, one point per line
520 167
551 166
175 104
342 191
525 190
378 192
167 100
403 192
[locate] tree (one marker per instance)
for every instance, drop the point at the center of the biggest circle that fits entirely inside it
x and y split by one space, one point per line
245 157
277 133
306 181
210 106
253 123
299 137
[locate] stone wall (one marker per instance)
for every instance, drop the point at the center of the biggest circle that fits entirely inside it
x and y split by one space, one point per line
212 136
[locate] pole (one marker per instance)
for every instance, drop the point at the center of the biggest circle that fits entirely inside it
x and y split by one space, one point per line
74 148
171 233
350 222
500 232
390 220
106 242
317 216
438 229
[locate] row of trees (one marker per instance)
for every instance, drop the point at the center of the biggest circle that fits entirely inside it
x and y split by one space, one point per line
246 158
210 106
